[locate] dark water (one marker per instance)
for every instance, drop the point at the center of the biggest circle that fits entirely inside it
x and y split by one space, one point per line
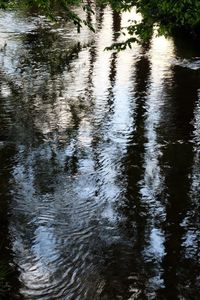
100 163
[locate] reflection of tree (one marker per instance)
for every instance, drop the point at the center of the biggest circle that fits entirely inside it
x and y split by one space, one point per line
9 285
180 273
48 50
129 260
141 213
134 160
39 82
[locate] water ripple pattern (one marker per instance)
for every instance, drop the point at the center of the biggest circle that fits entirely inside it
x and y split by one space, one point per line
100 161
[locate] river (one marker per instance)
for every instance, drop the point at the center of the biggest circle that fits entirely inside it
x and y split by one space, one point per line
100 162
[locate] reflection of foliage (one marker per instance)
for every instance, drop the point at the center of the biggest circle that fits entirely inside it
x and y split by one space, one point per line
47 48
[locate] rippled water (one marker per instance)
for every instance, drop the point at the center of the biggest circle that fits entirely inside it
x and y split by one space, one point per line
100 163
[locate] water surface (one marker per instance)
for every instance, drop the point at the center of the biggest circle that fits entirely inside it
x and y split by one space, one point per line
100 163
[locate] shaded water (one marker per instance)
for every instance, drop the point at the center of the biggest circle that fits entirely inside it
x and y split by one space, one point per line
100 163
